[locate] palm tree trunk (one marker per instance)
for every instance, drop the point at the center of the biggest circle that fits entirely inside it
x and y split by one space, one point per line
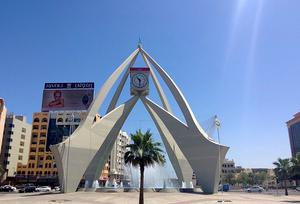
141 200
285 188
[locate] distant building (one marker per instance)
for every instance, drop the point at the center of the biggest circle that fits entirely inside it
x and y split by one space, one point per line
47 129
15 144
2 120
116 159
57 122
228 167
294 133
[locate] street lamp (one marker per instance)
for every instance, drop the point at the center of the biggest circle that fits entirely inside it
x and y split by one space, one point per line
218 125
69 144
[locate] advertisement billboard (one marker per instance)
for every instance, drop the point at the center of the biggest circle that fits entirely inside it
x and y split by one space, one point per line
67 96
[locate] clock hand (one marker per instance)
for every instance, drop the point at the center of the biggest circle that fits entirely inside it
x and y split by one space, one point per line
138 78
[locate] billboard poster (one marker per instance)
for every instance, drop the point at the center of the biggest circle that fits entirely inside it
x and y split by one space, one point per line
67 96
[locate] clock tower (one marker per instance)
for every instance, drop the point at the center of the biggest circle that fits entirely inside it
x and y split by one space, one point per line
139 81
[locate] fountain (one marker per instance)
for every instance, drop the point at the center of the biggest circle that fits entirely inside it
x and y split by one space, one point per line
86 184
111 185
106 184
155 178
96 184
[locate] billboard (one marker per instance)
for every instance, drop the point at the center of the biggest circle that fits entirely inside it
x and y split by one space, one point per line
67 96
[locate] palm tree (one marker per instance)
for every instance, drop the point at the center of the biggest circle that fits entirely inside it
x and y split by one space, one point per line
143 152
1 170
282 171
295 168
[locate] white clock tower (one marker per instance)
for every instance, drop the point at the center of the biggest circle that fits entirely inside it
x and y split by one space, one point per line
139 81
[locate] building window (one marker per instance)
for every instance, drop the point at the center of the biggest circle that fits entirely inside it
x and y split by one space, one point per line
34 136
41 158
31 157
9 140
7 154
32 165
44 127
35 127
10 132
21 150
43 135
46 165
44 120
21 143
49 165
77 120
60 120
20 157
42 142
23 137
48 157
36 120
24 130
41 149
11 125
29 165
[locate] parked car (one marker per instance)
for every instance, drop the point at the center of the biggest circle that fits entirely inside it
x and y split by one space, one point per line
57 188
255 189
43 189
7 188
27 189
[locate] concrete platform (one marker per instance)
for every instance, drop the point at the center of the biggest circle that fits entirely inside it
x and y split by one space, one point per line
150 198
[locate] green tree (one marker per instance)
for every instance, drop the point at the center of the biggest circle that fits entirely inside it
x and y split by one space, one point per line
243 178
230 178
260 178
282 171
143 152
295 167
1 170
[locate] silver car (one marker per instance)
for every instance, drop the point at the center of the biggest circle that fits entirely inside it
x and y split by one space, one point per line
255 189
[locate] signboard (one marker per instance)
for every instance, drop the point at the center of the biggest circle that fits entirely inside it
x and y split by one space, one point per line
139 80
67 96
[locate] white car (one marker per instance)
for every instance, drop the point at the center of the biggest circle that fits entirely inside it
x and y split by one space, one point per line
43 189
255 189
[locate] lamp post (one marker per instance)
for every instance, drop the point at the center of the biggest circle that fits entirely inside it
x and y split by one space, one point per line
218 125
69 143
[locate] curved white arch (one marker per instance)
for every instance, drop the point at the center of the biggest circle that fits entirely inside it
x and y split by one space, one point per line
187 144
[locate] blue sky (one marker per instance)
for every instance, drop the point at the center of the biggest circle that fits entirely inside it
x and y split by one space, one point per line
237 59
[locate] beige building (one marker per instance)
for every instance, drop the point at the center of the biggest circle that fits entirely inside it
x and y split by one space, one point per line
2 120
48 129
116 159
15 144
228 167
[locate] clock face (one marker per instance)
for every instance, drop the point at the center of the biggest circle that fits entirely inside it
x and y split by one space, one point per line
139 80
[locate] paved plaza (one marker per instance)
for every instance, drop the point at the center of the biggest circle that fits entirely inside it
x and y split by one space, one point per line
150 198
